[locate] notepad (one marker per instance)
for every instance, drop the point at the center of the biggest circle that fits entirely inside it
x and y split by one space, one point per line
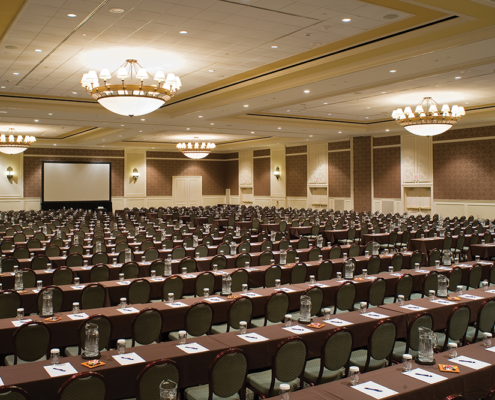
252 294
471 297
177 304
284 289
124 283
446 302
413 307
374 315
191 348
78 287
18 323
374 390
214 299
468 362
79 316
337 322
253 337
128 310
297 329
48 271
128 359
60 370
425 376
157 279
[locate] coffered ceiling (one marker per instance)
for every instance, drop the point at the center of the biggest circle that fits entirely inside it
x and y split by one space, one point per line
255 73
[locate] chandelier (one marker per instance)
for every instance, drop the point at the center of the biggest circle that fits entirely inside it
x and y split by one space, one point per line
427 120
127 97
10 144
195 149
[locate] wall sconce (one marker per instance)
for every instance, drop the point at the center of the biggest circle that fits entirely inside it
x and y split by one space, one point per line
135 174
277 173
10 173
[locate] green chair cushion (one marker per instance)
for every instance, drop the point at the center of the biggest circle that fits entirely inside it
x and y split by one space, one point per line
202 392
400 349
313 369
261 382
9 360
175 336
471 330
358 358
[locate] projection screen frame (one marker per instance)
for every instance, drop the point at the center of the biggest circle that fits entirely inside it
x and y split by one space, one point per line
84 204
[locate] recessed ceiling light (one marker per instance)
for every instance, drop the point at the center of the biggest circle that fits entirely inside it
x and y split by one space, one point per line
16 73
211 70
183 32
346 20
252 132
139 131
392 71
310 135
116 10
274 46
54 144
329 114
387 130
71 15
102 140
74 92
212 123
120 135
200 116
458 77
122 125
325 103
340 132
368 108
246 105
288 110
279 127
306 91
188 129
142 119
383 92
367 117
2 87
36 120
38 50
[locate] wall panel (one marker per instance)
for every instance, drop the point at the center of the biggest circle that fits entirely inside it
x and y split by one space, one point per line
386 173
297 175
261 171
339 174
362 173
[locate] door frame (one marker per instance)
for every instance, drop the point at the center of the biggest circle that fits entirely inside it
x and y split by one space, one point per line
173 188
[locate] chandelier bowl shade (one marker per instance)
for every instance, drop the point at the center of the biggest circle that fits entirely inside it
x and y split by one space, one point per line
12 144
195 149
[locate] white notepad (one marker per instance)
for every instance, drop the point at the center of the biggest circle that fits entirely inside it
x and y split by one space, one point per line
253 337
128 310
375 315
177 304
471 297
214 299
251 294
191 348
440 301
124 283
413 307
469 362
284 289
374 390
60 370
128 358
297 329
79 287
79 316
18 323
425 376
157 279
337 322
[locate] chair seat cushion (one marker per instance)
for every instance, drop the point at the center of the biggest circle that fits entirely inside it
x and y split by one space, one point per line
313 370
260 381
471 330
9 360
259 322
175 336
400 349
358 358
71 351
441 337
202 392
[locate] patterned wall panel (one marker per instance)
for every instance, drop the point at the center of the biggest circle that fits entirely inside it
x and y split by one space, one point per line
362 173
246 168
74 152
467 133
232 177
296 149
339 174
179 155
261 171
464 170
408 158
297 175
339 145
386 141
386 173
159 175
32 172
317 164
261 153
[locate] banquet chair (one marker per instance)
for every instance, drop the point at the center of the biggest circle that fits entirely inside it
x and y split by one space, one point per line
335 252
146 327
205 280
167 244
404 287
76 248
266 383
105 327
266 245
146 245
344 297
130 270
31 343
334 358
271 274
39 262
484 322
13 393
456 329
314 254
241 309
276 308
19 237
29 278
396 262
151 254
226 378
21 253
430 282
178 253
78 386
266 257
99 273
223 248
10 301
455 278
411 344
198 321
415 258
380 346
324 271
99 258
93 296
158 265
121 257
120 247
33 244
208 241
173 284
291 256
239 277
243 247
6 245
298 273
189 263
57 299
139 292
376 293
201 251
187 242
220 260
149 379
62 276
434 256
74 260
474 279
284 244
373 265
303 243
406 235
354 250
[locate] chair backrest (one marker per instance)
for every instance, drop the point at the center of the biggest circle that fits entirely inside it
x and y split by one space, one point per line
227 374
149 379
381 341
316 295
204 280
404 286
29 278
325 270
105 327
173 284
158 266
421 320
147 327
344 297
455 278
299 273
396 261
57 299
303 243
223 248
130 270
198 319
201 251
220 260
242 259
373 265
10 301
265 258
354 250
99 273
475 276
21 253
447 242
76 248
13 393
376 292
139 292
121 257
239 277
99 258
336 350
430 283
415 258
80 385
93 296
271 274
314 254
295 350
74 260
31 341
457 324
62 276
9 263
276 307
335 252
486 317
291 255
244 247
39 262
241 309
189 264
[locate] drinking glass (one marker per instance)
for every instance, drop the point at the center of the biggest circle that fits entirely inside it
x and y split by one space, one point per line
431 294
284 391
246 264
20 314
354 375
422 236
459 290
477 257
487 339
484 285
77 281
215 267
406 362
272 261
344 256
277 283
366 253
339 275
312 279
390 269
245 287
326 313
121 346
121 277
115 261
55 356
437 263
288 320
365 272
416 266
182 337
39 285
206 292
170 298
452 350
400 299
49 266
242 327
123 302
153 274
75 307
184 270
362 307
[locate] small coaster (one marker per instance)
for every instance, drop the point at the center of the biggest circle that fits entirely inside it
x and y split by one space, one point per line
316 325
93 364
454 298
53 319
448 368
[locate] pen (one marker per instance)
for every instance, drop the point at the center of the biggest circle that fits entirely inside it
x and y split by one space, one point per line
472 362
335 322
297 329
189 347
59 369
429 376
373 314
376 390
252 337
127 358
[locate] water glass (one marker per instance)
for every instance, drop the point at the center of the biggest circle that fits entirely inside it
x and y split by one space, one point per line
400 299
245 288
284 391
123 302
242 327
406 362
385 251
184 270
288 320
121 346
49 266
452 350
365 272
487 339
115 261
272 261
416 267
39 285
484 285
55 356
422 236
246 264
312 279
437 263
431 295
121 277
170 298
459 290
344 256
390 269
366 253
296 260
153 274
182 337
477 257
77 281
277 283
327 313
215 267
354 375
206 292
339 275
20 314
75 307
86 263
362 307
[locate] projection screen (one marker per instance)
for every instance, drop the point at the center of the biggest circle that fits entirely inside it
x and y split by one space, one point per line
76 181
